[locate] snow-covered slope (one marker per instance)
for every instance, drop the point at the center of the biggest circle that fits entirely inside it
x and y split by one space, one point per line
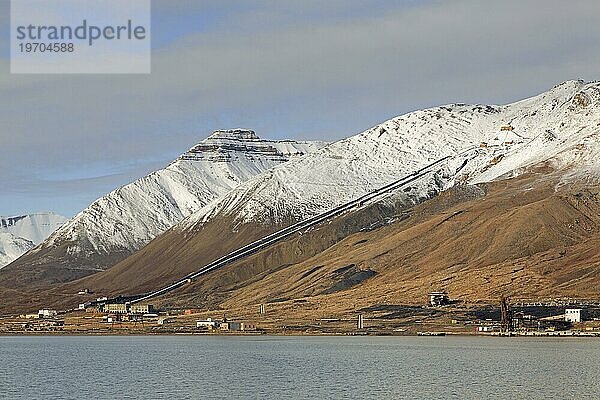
504 139
19 234
129 217
12 247
33 227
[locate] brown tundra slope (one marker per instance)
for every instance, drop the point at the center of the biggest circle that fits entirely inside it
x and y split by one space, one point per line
487 234
532 237
536 236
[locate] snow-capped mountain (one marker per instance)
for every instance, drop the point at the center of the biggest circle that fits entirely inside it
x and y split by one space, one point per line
12 247
129 217
21 233
559 128
501 140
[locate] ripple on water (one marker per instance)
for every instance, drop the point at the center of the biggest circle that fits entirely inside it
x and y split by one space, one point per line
189 367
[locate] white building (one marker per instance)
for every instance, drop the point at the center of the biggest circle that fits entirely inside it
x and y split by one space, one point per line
208 324
573 315
489 328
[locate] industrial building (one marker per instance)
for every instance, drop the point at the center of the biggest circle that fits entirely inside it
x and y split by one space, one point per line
124 308
226 326
115 308
573 315
489 328
230 326
439 298
141 309
47 313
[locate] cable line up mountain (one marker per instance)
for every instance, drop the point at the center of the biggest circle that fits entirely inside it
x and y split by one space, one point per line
295 228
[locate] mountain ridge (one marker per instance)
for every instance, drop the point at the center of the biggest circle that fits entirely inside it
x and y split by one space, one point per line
21 233
127 218
511 139
379 161
558 128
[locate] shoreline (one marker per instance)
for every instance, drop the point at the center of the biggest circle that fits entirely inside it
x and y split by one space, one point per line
300 334
396 320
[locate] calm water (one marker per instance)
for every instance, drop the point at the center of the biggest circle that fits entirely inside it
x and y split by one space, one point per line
185 367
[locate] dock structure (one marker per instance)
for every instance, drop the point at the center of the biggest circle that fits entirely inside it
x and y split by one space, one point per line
360 324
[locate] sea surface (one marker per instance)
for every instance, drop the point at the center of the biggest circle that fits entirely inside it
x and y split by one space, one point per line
266 367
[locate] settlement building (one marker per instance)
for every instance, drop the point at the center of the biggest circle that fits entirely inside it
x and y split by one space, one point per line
437 299
489 328
115 308
123 308
47 313
236 326
573 315
248 326
141 309
230 326
208 324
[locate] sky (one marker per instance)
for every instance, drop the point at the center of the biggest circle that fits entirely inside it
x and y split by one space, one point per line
288 69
